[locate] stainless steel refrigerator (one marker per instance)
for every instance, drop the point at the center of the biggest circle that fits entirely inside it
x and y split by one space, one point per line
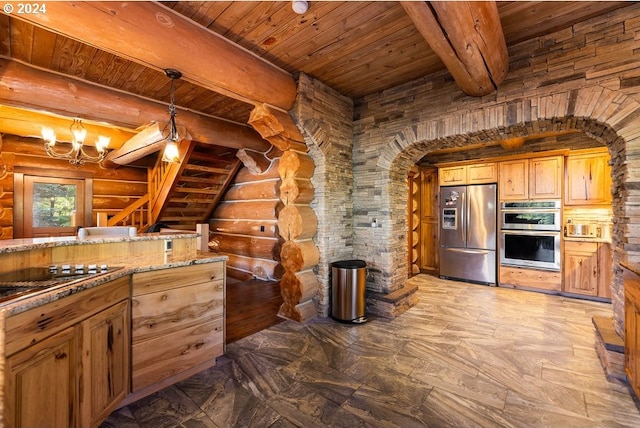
468 233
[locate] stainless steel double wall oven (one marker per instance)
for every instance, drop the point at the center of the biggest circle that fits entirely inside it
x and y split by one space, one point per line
530 234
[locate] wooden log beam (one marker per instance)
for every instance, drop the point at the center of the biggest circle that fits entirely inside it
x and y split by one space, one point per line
33 88
245 227
266 270
255 162
250 210
297 222
277 127
468 38
147 141
265 189
261 248
162 38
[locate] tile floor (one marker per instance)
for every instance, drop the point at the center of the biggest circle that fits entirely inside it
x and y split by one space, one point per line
466 356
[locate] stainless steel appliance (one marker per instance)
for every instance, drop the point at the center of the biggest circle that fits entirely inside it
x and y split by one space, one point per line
532 249
530 234
530 215
468 233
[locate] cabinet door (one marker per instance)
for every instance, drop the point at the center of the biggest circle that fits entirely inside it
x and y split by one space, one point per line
482 173
545 178
514 179
106 363
588 179
452 176
581 268
41 388
605 271
429 221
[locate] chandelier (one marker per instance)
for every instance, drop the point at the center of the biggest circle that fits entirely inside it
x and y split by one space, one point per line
77 154
171 153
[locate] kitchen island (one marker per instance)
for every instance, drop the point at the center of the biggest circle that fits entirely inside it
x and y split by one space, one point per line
73 352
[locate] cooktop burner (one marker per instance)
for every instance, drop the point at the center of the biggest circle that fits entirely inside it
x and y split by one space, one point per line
29 280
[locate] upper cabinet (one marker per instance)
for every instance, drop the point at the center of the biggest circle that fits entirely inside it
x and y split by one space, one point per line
588 178
477 173
535 178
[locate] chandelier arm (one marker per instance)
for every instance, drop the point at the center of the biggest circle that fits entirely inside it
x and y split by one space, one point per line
57 155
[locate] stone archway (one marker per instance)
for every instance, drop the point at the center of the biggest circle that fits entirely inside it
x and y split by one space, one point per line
609 116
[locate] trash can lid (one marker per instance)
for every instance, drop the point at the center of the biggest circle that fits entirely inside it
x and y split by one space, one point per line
349 264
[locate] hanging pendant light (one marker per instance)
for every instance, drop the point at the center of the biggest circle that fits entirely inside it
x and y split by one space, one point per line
171 153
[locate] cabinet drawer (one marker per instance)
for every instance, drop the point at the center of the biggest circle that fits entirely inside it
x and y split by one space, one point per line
165 279
29 327
158 359
531 278
163 312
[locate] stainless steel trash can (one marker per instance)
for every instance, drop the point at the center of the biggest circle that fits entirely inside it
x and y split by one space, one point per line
348 278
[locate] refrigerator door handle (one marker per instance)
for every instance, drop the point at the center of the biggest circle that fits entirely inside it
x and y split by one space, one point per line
468 251
463 217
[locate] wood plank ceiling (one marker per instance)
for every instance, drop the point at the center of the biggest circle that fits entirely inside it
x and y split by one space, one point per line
357 48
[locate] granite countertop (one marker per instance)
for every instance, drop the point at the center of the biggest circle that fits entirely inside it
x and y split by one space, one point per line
132 265
25 244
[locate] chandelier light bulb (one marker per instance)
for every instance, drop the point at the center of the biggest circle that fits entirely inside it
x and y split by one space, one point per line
102 143
49 135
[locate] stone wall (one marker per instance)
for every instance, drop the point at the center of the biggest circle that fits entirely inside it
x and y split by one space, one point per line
324 118
583 78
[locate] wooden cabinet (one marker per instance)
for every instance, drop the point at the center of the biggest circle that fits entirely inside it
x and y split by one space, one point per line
631 282
452 175
41 385
535 178
482 173
106 347
587 268
530 278
479 173
588 178
545 177
513 179
177 323
67 361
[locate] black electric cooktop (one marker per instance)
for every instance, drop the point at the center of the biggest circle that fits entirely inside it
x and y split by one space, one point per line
30 280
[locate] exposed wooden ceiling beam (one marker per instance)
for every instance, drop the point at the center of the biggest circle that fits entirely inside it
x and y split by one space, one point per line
29 123
33 88
151 34
468 38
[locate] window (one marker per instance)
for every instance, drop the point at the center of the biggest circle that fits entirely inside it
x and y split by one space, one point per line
50 206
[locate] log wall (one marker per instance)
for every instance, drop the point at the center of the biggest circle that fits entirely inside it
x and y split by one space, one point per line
244 225
113 189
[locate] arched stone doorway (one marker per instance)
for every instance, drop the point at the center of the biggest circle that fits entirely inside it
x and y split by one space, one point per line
608 116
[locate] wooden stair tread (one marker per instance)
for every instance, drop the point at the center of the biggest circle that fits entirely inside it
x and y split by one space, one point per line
207 180
195 190
192 167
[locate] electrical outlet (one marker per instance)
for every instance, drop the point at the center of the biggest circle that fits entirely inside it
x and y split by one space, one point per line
261 228
168 245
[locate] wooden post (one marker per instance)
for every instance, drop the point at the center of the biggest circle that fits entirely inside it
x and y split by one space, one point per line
297 223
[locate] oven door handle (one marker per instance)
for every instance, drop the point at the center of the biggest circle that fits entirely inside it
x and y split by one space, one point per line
530 232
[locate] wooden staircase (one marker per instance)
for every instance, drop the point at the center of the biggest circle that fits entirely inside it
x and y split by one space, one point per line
185 193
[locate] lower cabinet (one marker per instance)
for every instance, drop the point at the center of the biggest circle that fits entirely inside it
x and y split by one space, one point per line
530 278
631 282
177 324
587 268
67 361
